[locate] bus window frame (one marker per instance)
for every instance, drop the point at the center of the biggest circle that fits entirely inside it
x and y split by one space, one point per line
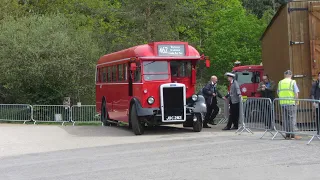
181 63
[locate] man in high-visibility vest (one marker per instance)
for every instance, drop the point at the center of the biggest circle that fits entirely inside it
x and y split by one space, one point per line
288 91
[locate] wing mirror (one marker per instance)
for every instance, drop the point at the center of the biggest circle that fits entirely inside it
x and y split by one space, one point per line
133 66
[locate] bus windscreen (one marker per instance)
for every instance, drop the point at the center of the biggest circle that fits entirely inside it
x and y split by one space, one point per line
155 70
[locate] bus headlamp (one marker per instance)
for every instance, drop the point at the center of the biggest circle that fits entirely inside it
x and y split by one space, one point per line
150 100
194 97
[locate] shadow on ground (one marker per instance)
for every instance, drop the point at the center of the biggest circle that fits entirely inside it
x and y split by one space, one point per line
120 131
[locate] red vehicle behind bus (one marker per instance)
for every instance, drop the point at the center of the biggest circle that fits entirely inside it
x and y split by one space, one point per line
248 77
151 84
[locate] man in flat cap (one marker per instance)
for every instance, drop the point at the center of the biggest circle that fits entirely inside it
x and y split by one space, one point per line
234 98
288 92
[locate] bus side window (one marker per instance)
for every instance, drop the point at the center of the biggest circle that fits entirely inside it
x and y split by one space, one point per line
120 72
137 73
99 74
104 74
125 67
114 73
109 74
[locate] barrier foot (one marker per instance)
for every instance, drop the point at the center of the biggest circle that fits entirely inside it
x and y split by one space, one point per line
239 129
243 129
313 138
275 135
73 123
34 122
266 132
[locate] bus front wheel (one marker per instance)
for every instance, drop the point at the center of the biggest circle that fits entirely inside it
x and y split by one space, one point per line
197 125
104 114
137 126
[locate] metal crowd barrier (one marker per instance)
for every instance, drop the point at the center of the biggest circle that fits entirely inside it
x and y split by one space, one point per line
51 113
225 117
298 118
84 113
16 112
257 114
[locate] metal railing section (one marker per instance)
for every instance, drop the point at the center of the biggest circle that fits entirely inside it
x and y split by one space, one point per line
84 113
51 113
16 112
296 117
257 114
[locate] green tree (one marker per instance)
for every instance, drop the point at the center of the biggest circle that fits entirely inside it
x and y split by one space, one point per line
11 8
258 7
234 36
45 58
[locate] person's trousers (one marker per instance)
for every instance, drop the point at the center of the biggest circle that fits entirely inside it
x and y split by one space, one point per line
212 112
318 119
289 118
234 115
267 115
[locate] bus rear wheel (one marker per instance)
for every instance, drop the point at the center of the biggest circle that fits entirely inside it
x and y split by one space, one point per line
197 125
104 114
137 126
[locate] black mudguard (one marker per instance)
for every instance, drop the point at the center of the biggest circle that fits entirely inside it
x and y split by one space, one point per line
140 110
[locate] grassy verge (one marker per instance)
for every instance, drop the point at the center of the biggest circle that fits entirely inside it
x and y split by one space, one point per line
54 123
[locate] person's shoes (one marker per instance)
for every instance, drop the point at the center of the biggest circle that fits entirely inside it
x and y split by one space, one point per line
288 137
212 123
206 126
296 137
226 128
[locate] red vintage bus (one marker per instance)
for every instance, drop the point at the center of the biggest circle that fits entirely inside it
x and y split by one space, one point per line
150 85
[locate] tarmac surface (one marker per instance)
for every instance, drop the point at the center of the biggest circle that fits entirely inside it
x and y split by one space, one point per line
49 152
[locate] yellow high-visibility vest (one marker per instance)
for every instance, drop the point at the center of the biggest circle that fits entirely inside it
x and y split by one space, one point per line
286 90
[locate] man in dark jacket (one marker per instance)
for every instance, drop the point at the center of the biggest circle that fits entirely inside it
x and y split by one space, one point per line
315 94
267 89
210 93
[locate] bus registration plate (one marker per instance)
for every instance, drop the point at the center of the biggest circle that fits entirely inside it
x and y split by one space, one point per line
173 118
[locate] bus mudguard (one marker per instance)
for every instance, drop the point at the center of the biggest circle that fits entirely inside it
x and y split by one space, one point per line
199 106
140 110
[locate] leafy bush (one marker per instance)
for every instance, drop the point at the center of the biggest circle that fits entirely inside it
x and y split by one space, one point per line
46 58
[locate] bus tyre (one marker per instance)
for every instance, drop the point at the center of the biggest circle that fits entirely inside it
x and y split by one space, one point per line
197 125
104 114
137 126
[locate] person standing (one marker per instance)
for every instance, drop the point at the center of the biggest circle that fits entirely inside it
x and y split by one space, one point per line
288 91
211 93
267 89
234 98
315 94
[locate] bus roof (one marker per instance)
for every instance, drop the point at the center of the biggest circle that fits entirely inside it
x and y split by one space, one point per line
162 49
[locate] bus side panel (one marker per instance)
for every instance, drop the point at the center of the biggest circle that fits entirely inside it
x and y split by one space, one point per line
120 100
138 92
98 98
